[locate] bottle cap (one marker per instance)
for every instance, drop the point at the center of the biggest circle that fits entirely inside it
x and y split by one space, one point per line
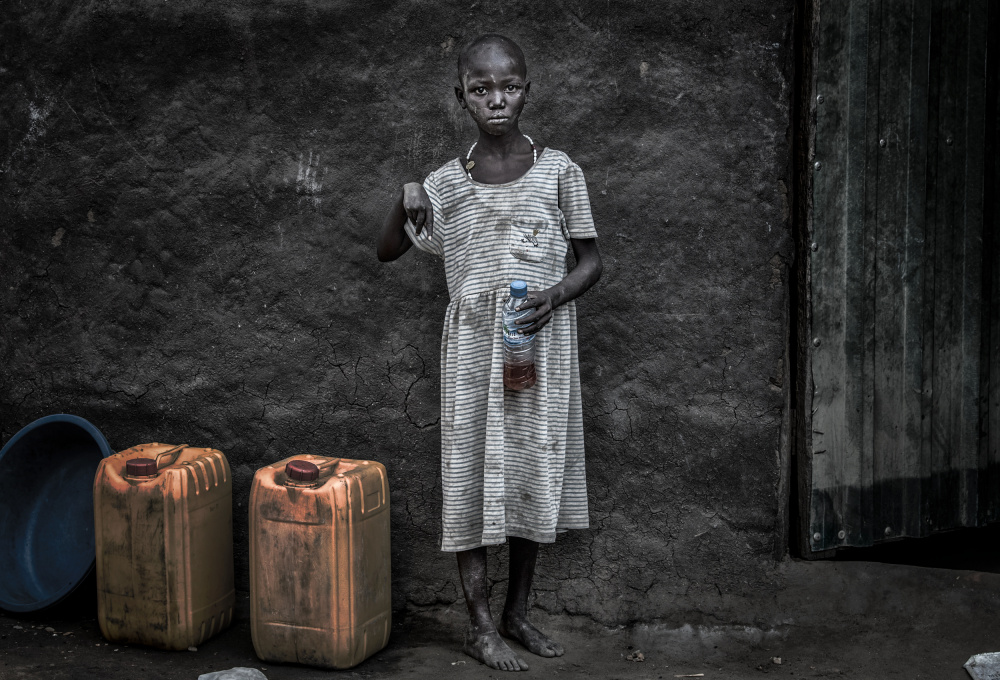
518 288
302 471
140 467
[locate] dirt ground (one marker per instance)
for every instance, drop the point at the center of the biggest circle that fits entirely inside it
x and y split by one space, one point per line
843 619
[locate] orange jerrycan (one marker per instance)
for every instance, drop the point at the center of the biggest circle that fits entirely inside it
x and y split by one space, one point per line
320 592
163 519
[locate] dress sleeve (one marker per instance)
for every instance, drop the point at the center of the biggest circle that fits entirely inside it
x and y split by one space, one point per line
574 202
433 244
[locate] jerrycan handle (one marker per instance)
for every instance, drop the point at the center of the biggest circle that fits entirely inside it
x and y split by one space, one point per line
327 468
169 453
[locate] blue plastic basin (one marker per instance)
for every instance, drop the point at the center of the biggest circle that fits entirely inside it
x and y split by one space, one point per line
47 510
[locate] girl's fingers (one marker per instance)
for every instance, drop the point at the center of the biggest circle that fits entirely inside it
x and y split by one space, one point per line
532 302
536 317
539 304
529 319
534 322
538 325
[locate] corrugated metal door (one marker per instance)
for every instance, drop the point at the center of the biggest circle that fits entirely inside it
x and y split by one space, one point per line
900 421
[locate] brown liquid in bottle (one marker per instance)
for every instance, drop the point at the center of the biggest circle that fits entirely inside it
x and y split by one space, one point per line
519 376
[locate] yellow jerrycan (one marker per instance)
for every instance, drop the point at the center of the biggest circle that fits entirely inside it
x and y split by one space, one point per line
163 520
320 591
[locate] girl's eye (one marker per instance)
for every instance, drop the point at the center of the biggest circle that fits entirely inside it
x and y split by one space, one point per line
512 88
480 90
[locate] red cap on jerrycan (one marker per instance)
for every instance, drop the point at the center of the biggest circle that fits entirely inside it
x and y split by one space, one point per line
302 471
141 467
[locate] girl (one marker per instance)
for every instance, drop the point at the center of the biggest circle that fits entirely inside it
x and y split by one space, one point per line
511 461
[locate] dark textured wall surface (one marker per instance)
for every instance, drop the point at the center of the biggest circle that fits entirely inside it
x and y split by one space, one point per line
190 194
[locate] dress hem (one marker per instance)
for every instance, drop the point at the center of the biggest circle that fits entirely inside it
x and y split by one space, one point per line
518 532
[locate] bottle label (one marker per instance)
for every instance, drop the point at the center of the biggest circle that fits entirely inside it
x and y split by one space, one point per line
512 337
510 334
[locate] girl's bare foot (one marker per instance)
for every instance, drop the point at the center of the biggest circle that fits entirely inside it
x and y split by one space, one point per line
488 647
534 640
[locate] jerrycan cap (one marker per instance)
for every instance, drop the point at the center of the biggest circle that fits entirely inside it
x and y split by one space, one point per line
141 467
302 471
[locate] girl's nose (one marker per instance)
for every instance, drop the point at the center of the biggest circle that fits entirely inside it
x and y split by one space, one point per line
496 100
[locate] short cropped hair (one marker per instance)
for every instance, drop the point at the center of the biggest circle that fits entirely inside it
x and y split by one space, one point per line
490 39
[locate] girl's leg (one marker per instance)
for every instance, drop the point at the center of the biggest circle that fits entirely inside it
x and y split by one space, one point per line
482 641
514 622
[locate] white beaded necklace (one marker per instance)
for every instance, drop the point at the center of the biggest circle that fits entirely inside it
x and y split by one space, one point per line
471 163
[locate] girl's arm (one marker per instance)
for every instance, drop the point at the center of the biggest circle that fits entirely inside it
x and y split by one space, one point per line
584 275
413 204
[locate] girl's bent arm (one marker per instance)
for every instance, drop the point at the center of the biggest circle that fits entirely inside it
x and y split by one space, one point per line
413 204
584 275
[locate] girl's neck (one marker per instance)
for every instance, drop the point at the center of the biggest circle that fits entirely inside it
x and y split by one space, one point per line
511 142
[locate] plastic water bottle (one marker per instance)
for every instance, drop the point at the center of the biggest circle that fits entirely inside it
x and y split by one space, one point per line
518 350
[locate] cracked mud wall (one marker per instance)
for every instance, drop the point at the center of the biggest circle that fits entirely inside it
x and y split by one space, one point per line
190 194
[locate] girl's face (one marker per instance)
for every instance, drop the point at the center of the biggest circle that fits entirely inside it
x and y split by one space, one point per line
494 89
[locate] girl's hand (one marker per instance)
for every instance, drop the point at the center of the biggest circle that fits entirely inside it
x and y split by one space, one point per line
584 275
544 304
417 205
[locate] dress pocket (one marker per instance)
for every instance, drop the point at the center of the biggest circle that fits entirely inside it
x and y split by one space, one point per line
529 239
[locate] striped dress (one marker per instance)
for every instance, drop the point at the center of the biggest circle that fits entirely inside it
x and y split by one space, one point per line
512 463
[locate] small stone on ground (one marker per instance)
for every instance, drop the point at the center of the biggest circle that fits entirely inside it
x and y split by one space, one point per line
238 673
984 666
